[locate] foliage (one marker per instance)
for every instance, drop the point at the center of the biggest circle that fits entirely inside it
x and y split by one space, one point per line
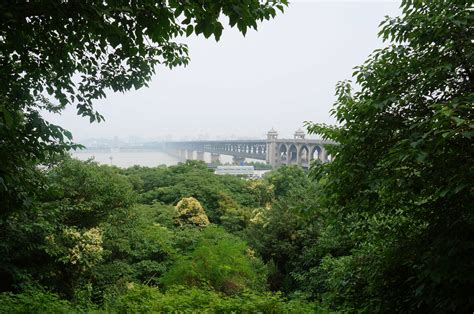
147 299
139 247
400 191
58 240
283 231
263 192
286 180
192 179
76 248
259 165
190 211
135 298
219 261
89 242
34 301
85 192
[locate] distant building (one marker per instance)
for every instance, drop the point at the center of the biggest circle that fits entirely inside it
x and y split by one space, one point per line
235 170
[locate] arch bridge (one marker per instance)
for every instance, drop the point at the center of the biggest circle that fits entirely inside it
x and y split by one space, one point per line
276 152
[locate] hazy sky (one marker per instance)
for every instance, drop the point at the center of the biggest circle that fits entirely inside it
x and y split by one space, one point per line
278 76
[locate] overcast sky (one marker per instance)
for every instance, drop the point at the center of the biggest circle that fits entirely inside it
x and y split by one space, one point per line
278 76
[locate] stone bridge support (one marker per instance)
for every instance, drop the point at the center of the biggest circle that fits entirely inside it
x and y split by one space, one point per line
298 151
189 154
200 156
182 154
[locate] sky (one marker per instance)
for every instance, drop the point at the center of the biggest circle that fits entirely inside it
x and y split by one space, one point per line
277 77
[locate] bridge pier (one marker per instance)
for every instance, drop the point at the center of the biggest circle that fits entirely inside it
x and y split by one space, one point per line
189 154
181 154
200 156
272 155
324 156
215 158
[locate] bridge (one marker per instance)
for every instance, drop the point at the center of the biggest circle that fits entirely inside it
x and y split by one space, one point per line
276 152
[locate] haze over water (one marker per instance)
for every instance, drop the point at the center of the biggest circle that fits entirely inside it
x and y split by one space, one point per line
126 159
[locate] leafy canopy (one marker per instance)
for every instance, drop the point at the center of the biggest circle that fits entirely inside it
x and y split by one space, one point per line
400 188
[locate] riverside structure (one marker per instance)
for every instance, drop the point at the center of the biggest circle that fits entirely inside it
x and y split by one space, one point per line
277 152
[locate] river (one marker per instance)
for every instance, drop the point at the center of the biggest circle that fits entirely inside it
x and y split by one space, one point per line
126 159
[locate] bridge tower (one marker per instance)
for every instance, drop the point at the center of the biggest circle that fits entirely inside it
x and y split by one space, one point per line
299 134
272 153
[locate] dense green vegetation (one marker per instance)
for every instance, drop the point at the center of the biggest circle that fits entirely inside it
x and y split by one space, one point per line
140 239
400 194
387 226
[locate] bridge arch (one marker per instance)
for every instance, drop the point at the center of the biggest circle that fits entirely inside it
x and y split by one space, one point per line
275 151
304 156
292 154
317 153
283 153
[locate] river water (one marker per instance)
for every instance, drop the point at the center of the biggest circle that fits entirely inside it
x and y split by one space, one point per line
126 159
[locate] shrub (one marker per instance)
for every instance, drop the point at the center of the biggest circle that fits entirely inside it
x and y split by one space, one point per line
144 299
220 261
34 301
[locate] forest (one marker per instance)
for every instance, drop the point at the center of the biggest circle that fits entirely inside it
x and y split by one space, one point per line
158 239
386 226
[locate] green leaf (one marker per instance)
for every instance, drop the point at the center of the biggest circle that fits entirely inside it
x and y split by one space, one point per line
68 134
189 30
7 116
218 32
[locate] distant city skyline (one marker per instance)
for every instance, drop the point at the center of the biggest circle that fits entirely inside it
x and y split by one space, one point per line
240 87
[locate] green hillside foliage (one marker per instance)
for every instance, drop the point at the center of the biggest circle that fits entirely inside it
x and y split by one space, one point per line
93 242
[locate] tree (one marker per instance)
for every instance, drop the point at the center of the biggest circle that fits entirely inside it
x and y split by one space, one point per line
193 179
219 261
85 192
190 212
54 54
287 227
400 188
58 240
